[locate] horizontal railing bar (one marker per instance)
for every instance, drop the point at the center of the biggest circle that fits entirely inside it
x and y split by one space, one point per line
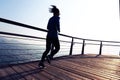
14 34
64 41
110 45
102 41
21 24
103 44
20 35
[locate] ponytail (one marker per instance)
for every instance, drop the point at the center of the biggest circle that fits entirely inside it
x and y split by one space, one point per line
54 9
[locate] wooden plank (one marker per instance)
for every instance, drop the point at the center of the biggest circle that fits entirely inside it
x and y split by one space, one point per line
109 69
3 73
10 74
45 73
102 72
63 74
76 69
39 74
29 73
60 74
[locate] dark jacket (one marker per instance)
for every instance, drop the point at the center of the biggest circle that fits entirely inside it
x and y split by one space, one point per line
53 27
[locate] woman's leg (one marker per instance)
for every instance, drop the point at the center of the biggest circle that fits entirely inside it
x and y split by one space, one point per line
48 47
56 45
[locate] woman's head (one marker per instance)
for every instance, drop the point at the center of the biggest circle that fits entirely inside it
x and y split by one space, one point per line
55 10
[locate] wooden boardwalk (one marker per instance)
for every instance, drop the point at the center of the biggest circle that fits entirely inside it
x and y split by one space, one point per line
77 67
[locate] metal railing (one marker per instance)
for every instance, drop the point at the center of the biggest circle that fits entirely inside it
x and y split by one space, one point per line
83 42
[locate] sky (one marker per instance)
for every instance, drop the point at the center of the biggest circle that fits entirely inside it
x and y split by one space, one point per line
89 19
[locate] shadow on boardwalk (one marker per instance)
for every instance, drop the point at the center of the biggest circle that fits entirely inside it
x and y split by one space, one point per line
20 75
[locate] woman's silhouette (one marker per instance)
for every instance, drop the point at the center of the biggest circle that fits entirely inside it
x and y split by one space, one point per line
52 40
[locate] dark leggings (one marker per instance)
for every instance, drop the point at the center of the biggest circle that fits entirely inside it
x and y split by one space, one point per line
49 43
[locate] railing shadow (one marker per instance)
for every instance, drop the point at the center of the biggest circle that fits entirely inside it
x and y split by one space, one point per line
87 56
21 75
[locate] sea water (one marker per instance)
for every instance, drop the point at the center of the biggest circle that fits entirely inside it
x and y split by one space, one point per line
19 50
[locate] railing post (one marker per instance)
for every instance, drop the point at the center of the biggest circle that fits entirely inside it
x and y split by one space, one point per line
71 48
100 51
83 46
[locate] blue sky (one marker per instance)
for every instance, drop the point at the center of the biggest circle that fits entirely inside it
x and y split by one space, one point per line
96 19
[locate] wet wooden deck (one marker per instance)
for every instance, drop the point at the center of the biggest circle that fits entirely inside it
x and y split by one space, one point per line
87 67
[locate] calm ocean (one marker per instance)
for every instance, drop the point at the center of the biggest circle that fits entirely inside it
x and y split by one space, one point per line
19 50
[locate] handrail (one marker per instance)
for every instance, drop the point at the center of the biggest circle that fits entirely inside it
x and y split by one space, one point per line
20 24
40 29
